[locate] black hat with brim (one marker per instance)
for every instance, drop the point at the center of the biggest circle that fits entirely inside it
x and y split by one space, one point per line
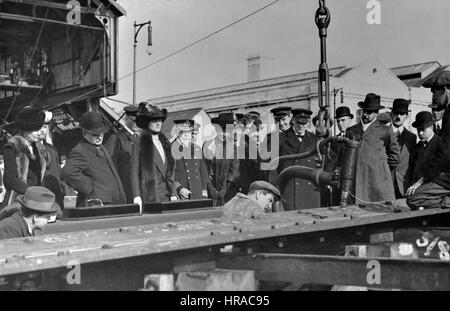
94 122
343 111
131 110
400 105
280 112
371 103
223 118
147 112
30 119
423 120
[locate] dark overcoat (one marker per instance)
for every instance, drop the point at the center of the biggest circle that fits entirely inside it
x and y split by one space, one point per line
191 173
420 159
267 154
52 177
13 227
152 178
299 193
407 142
378 153
438 169
120 147
223 169
90 170
13 164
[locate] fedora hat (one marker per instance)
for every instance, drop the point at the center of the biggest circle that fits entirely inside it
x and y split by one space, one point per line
39 199
343 111
30 119
147 112
424 119
223 118
400 105
371 102
94 122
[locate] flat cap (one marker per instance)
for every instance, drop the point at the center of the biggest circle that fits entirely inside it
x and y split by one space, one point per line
264 185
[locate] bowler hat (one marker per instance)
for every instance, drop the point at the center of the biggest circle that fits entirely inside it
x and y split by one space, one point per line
371 102
423 120
30 119
223 118
264 185
131 110
343 111
280 112
39 199
400 105
436 106
94 122
147 112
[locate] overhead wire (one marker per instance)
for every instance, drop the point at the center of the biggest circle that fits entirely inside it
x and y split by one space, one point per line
174 53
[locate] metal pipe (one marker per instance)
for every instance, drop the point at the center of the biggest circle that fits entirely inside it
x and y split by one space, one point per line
348 170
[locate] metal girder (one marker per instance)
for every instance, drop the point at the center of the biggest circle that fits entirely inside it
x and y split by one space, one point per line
337 270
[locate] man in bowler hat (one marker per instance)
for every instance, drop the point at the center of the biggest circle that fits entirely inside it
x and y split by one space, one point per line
406 140
424 151
378 153
89 168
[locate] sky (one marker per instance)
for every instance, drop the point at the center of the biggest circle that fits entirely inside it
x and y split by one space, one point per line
284 35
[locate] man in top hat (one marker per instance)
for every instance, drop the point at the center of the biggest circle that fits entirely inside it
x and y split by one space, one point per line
299 193
378 153
120 146
152 163
283 118
89 168
424 151
37 208
259 200
191 173
407 142
222 161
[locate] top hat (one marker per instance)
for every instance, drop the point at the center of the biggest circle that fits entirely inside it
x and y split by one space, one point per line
30 119
280 112
264 185
343 111
94 122
131 110
301 115
371 103
39 199
424 119
223 118
400 105
147 112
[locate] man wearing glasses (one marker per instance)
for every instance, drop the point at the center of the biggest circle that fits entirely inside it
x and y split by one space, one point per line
378 154
89 168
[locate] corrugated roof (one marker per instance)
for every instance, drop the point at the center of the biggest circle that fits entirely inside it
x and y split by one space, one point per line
413 69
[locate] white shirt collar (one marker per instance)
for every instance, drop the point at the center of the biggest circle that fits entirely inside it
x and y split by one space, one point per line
440 123
30 231
398 129
366 126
